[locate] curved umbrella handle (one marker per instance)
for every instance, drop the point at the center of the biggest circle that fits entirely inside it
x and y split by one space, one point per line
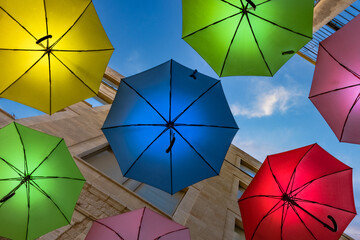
171 143
43 38
334 229
251 3
193 74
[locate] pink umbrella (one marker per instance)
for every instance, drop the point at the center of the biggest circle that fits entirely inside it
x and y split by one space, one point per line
141 224
335 90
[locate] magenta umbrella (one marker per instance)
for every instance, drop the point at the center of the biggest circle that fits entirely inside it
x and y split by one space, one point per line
141 224
335 90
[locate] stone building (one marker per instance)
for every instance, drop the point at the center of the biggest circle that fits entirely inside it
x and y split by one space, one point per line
209 208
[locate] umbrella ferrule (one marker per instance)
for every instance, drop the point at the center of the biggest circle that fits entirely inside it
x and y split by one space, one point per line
43 39
252 4
288 52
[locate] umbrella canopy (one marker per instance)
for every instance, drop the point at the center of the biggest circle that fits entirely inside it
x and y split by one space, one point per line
243 37
141 224
170 127
52 53
301 194
335 89
39 182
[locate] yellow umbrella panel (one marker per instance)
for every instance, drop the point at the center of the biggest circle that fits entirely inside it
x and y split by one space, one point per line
52 53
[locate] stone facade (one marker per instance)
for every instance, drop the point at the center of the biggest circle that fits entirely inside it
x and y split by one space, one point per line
209 208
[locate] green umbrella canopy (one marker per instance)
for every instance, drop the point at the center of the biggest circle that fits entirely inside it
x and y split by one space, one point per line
243 37
39 182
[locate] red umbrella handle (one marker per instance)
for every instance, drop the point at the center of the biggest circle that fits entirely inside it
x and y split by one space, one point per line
333 229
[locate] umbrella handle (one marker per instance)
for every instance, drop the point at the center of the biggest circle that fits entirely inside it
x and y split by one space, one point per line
43 38
193 74
288 52
251 3
171 143
334 229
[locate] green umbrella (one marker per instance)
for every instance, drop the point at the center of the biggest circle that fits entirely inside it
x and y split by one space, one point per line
243 37
39 182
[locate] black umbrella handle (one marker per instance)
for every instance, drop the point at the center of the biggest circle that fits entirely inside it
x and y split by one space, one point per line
43 38
171 143
251 3
193 74
333 229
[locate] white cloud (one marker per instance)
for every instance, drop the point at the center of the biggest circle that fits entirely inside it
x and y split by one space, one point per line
268 100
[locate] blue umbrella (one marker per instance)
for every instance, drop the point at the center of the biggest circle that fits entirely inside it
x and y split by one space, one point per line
170 127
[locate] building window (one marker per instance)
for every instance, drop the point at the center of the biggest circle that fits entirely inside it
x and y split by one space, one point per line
240 192
18 110
96 101
247 170
105 161
239 233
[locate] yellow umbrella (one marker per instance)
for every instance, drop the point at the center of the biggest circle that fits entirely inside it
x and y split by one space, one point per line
52 53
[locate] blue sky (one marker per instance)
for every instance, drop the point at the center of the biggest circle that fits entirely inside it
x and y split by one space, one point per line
274 114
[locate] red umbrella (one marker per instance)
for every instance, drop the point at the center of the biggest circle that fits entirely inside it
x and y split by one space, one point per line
141 224
335 90
301 194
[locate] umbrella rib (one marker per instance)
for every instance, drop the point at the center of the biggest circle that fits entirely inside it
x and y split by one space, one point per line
136 125
323 204
231 4
263 3
266 196
23 74
293 174
285 28
18 23
195 101
110 229
302 221
232 40
212 24
89 50
282 221
23 146
144 99
347 116
28 206
346 68
144 151
55 177
171 167
50 81
262 55
204 125
308 183
73 73
46 23
19 49
12 167
271 211
182 229
10 179
47 156
141 221
191 146
57 41
335 90
276 180
34 184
